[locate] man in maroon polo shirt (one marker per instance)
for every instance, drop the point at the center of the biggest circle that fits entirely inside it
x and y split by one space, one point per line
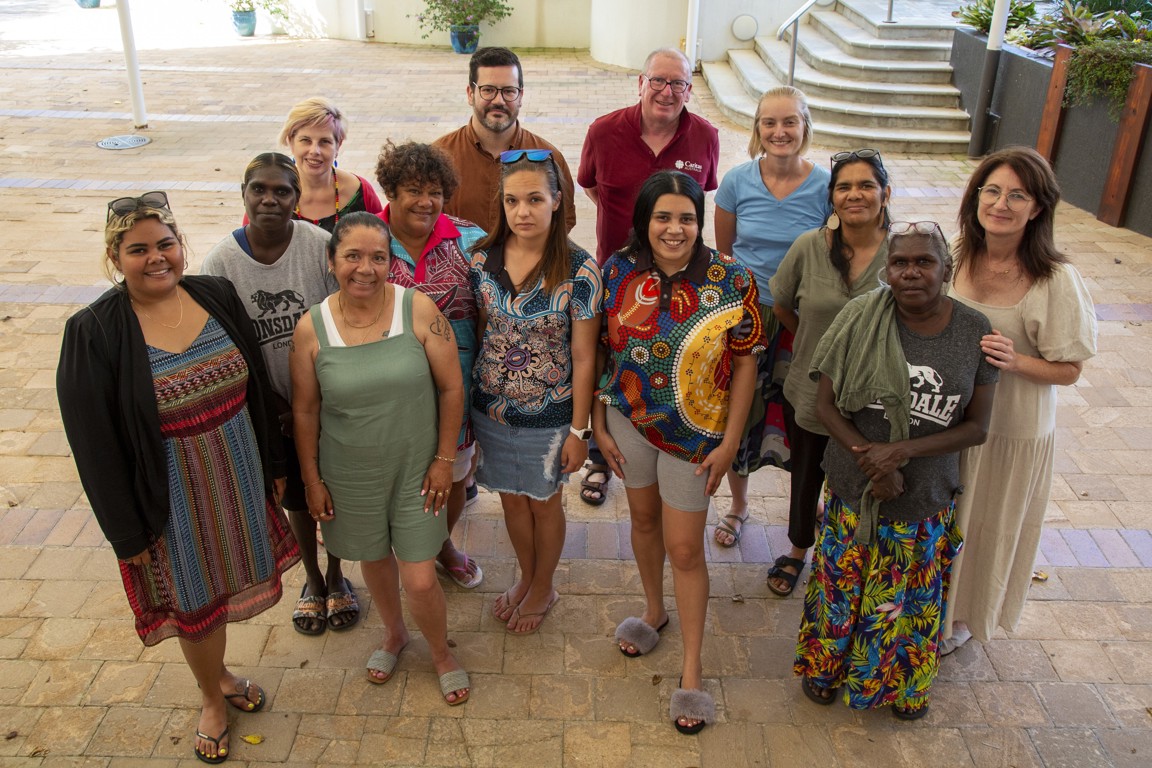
625 147
495 93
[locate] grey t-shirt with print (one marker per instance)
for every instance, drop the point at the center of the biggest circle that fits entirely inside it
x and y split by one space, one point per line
943 371
277 295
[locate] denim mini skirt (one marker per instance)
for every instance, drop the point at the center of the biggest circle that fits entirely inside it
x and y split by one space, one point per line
520 460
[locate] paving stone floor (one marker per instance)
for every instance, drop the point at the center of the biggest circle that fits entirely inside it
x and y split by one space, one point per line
1071 687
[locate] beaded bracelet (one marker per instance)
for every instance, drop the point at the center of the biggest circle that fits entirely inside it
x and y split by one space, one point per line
444 458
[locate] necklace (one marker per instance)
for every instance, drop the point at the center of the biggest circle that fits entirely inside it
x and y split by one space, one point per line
347 322
179 301
336 186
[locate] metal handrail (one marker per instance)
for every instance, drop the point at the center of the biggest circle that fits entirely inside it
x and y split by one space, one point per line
794 22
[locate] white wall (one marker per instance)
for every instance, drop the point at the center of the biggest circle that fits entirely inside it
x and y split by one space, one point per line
716 22
533 24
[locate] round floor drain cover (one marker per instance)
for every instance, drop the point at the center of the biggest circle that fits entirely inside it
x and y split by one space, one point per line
123 142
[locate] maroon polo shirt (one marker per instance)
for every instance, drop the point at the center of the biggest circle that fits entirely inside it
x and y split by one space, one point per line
617 162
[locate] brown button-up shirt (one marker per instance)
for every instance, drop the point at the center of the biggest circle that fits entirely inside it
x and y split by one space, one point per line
478 196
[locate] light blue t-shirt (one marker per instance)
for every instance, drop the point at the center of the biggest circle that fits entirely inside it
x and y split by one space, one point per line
765 226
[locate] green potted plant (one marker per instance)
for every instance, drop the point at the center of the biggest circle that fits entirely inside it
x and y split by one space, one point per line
461 19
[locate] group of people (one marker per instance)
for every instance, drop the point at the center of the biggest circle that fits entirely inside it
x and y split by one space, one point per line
363 365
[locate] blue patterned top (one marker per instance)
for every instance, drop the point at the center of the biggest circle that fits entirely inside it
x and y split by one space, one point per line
523 374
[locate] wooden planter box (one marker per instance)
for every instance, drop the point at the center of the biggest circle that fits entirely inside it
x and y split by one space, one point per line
1087 135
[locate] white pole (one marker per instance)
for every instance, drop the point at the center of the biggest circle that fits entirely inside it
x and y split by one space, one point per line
135 87
692 34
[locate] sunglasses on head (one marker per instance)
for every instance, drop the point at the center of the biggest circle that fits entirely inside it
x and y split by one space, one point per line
122 206
533 155
914 227
859 154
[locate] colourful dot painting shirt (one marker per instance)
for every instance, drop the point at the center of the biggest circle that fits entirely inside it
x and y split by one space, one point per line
670 344
523 374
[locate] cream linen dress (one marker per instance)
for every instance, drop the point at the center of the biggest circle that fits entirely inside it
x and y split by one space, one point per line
1008 479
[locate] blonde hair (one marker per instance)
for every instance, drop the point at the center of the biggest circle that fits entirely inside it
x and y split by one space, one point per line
118 226
755 148
314 112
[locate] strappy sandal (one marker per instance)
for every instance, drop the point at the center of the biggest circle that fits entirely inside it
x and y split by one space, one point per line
588 486
344 605
723 526
777 572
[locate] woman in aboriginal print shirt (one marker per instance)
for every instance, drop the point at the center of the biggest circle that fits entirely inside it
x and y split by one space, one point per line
682 332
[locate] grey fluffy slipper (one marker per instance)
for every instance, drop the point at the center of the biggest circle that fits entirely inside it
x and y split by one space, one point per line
637 633
692 704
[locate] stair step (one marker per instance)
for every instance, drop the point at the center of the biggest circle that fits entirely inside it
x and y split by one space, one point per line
827 57
753 74
831 130
855 41
907 25
815 83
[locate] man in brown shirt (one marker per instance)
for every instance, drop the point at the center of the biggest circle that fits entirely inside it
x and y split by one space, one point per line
495 93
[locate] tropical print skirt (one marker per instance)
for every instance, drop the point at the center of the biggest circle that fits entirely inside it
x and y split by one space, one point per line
873 614
764 442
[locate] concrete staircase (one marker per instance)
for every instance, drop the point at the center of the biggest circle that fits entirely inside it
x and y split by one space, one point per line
869 84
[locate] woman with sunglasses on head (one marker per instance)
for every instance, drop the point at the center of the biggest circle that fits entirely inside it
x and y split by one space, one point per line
822 271
539 297
165 401
430 253
682 331
279 269
902 388
761 208
1044 328
313 133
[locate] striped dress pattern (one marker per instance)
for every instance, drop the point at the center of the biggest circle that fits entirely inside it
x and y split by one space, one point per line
226 545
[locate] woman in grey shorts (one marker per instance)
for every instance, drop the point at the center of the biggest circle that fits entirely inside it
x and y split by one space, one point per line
682 328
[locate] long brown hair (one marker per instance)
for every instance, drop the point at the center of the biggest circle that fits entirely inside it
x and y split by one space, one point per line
555 265
1037 252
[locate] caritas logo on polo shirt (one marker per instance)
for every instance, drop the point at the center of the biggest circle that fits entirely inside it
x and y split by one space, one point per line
688 165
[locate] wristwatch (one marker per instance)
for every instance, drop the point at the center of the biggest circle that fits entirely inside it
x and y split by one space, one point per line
583 434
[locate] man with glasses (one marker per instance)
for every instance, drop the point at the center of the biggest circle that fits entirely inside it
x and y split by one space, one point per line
625 147
495 93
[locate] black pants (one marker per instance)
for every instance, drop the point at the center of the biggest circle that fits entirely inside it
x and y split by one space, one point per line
807 478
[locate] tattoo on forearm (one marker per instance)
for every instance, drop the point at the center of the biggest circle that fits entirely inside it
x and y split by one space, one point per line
441 327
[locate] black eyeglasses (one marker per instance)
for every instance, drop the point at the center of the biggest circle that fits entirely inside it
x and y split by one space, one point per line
914 227
533 155
124 205
859 154
488 92
659 83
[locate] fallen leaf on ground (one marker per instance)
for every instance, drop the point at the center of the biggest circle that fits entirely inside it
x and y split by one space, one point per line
737 598
656 679
253 738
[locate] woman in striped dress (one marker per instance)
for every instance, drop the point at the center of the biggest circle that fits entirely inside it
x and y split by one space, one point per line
164 398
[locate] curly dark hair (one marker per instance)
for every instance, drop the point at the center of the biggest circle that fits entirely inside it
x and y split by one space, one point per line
415 163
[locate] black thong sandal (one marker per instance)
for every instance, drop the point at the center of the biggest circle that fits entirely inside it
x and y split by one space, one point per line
589 486
901 713
777 572
823 696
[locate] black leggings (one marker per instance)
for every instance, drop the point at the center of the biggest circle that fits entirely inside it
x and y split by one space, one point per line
807 478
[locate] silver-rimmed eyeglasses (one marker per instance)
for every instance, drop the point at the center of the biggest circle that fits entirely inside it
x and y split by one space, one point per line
1015 199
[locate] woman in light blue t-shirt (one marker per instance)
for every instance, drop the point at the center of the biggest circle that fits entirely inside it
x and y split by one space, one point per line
761 208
